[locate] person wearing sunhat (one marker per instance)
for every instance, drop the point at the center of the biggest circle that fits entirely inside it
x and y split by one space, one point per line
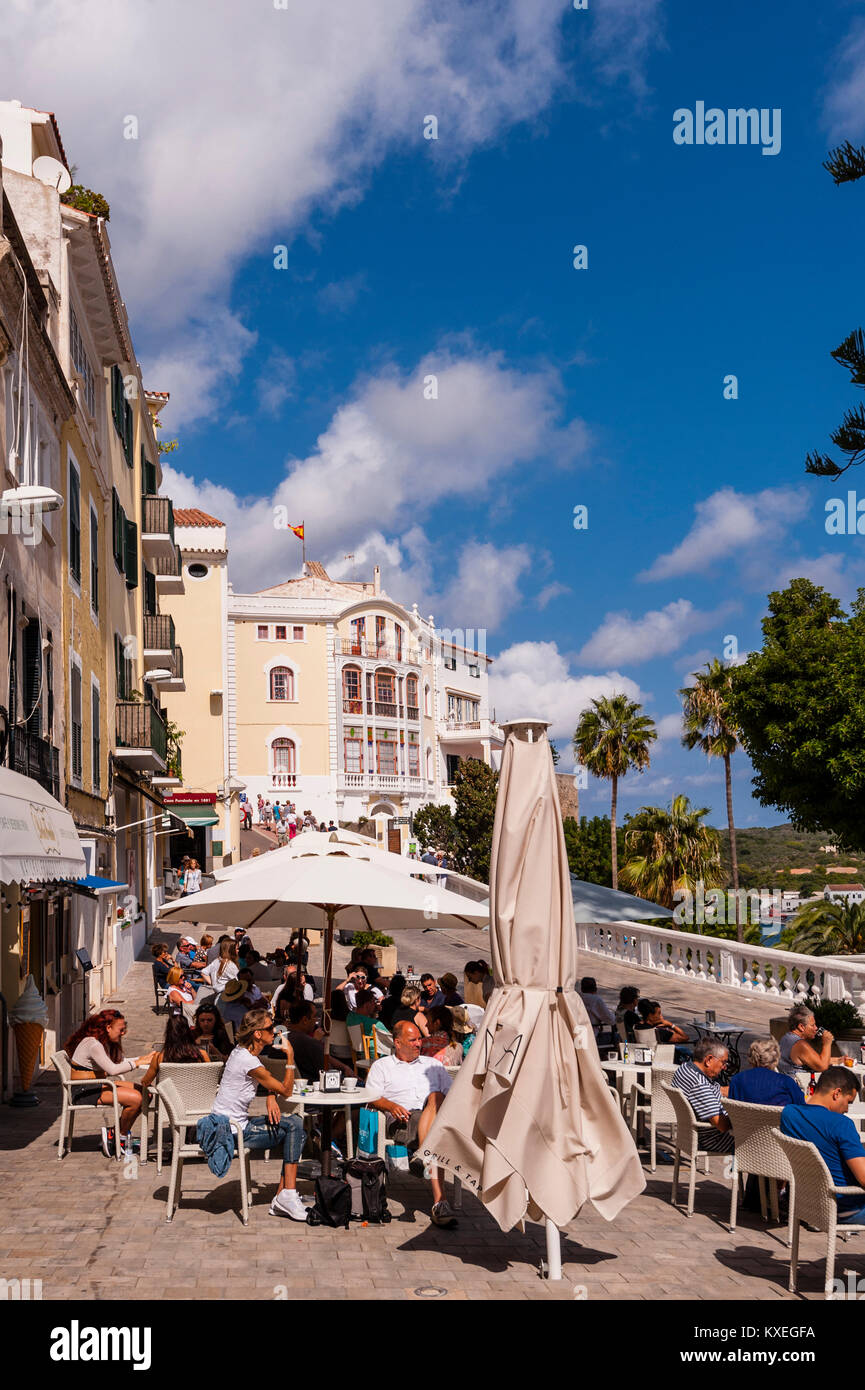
234 1002
463 1028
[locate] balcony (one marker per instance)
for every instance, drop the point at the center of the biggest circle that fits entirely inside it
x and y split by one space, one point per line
140 736
159 643
412 713
385 710
283 781
467 731
176 682
377 651
169 572
157 527
380 782
35 758
173 775
352 707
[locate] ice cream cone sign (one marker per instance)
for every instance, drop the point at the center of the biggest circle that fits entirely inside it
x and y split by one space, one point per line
29 1019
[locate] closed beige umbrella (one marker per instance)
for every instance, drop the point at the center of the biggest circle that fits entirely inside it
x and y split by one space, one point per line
530 1122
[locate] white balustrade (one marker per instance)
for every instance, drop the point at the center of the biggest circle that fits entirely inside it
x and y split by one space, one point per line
760 970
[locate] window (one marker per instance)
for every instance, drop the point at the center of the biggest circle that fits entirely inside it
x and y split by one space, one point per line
427 705
282 759
75 699
149 594
262 632
353 755
74 522
118 530
148 475
297 634
413 760
411 695
453 762
352 702
475 671
386 748
94 562
380 635
82 365
384 692
131 554
280 632
95 740
450 660
122 669
358 629
31 676
197 571
397 632
281 683
121 412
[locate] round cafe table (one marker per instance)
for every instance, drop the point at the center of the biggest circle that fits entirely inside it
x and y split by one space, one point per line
626 1073
327 1102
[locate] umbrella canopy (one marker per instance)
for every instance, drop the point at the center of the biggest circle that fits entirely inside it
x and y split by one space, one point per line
529 1121
595 903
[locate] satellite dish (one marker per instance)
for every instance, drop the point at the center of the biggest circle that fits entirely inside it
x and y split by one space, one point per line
52 172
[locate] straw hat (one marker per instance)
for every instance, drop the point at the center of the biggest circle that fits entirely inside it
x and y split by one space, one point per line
462 1023
235 989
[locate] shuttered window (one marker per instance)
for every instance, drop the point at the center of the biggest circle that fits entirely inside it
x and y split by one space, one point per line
118 530
148 475
31 662
74 522
94 562
96 745
75 697
149 593
131 556
119 668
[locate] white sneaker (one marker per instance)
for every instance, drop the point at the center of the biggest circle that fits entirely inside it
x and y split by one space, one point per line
288 1203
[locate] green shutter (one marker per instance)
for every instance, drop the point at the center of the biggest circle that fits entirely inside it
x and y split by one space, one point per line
149 593
131 555
74 523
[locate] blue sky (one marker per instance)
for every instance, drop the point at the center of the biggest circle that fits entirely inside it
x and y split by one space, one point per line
556 387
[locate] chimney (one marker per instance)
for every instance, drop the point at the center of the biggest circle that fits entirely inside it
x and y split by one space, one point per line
376 580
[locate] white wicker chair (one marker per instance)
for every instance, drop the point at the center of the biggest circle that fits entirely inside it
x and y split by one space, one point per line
180 1119
652 1104
71 1107
196 1083
815 1203
757 1154
689 1133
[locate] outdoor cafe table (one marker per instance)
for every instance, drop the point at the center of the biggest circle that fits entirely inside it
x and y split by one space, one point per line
329 1101
730 1034
626 1073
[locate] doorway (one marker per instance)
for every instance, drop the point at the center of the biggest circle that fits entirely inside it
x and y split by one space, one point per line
394 839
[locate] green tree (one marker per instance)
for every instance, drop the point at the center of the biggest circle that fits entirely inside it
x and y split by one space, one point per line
709 725
799 703
475 788
434 826
846 163
612 737
829 929
668 849
589 850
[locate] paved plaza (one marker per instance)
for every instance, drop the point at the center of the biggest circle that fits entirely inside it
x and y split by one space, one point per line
88 1231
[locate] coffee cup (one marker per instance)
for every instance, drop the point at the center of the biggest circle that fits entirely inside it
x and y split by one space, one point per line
349 1083
314 1085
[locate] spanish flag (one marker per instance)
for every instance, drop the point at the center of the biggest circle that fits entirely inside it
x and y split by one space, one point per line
298 531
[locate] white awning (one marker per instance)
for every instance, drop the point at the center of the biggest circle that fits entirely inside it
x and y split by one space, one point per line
38 839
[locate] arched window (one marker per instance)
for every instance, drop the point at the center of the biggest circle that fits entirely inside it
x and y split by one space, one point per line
385 694
283 763
412 710
281 683
427 704
429 765
352 696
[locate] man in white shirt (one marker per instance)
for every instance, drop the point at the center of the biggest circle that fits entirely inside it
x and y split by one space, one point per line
408 1089
597 1010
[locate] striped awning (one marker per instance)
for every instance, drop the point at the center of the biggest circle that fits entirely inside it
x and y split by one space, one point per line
38 839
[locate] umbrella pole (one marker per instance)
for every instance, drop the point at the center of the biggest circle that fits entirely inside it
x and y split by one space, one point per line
554 1250
326 1115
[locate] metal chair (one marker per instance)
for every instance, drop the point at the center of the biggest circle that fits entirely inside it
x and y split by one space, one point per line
70 1106
196 1084
689 1133
757 1154
655 1106
814 1201
180 1120
161 993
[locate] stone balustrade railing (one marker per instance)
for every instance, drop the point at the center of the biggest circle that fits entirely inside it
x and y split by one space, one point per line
755 970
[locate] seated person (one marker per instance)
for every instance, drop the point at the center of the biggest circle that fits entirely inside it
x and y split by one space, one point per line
441 1044
356 980
391 1002
163 961
94 1052
260 972
187 956
476 973
307 1043
410 1010
464 1029
244 1071
599 1013
214 948
762 1083
824 1122
181 993
234 1003
257 999
408 1089
652 1017
208 1032
698 1082
365 1014
430 994
626 1013
179 1046
801 1049
451 995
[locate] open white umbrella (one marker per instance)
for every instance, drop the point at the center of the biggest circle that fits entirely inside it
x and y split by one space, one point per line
529 1122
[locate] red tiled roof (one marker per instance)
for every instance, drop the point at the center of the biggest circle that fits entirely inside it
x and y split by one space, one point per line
162 395
191 516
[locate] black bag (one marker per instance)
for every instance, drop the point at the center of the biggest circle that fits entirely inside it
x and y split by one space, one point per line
367 1179
332 1203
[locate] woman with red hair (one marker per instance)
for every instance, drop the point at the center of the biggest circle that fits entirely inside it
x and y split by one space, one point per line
94 1051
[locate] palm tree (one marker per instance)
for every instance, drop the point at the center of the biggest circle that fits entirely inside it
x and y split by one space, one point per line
670 849
611 738
708 723
829 929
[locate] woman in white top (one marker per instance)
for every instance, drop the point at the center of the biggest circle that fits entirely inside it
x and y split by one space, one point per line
220 970
94 1051
243 1073
192 879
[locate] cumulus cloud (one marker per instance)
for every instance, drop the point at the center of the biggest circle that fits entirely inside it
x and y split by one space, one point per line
196 368
669 727
729 525
551 591
534 678
623 639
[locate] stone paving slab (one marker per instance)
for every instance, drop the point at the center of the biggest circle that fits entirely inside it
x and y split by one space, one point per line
90 1228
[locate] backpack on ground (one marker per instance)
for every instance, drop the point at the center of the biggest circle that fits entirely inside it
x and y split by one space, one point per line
332 1205
367 1179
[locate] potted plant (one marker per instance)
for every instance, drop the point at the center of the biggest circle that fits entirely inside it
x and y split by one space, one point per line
385 949
843 1021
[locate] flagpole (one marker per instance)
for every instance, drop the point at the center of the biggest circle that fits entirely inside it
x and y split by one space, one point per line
303 541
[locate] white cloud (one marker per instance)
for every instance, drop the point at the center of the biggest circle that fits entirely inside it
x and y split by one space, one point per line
732 525
624 35
551 591
642 784
621 639
276 382
195 370
361 483
341 295
533 678
669 726
844 106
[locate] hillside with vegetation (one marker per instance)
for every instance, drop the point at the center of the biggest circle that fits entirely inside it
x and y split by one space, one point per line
767 854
